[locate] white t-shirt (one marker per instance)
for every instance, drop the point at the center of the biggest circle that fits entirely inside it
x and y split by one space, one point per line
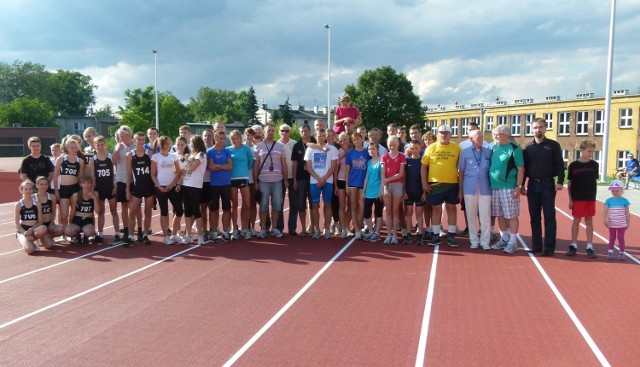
165 167
195 178
321 161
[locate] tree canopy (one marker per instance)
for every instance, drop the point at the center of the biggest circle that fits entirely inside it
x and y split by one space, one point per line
384 96
139 111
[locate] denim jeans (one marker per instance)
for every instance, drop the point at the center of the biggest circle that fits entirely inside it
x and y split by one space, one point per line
541 197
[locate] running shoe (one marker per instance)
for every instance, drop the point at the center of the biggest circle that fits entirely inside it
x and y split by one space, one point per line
167 241
117 238
610 255
247 234
235 235
511 248
464 233
572 251
128 242
621 256
225 237
435 240
98 239
406 239
486 246
474 246
358 235
500 244
451 240
185 240
201 241
146 240
344 234
175 238
394 240
388 240
327 234
262 233
420 239
591 253
315 235
277 233
254 233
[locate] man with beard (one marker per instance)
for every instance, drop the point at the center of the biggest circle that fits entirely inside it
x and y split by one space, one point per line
542 163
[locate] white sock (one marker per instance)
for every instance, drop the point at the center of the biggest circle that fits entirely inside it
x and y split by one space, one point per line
589 246
436 228
512 237
452 229
576 245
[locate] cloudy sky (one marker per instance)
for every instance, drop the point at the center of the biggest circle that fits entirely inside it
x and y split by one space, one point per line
464 51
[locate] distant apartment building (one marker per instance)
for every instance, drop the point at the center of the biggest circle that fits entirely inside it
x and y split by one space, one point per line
569 121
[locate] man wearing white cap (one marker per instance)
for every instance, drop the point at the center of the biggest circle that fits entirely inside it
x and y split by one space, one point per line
440 181
631 167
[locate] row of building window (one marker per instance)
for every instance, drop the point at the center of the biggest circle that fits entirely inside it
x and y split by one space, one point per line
621 157
564 122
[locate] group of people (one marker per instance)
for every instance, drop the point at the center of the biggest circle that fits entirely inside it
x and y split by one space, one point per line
348 171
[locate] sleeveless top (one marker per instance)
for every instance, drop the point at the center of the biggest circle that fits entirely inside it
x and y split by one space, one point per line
103 171
84 206
70 169
141 167
46 206
28 213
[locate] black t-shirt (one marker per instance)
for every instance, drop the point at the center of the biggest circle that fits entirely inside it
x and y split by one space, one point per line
34 167
583 177
297 156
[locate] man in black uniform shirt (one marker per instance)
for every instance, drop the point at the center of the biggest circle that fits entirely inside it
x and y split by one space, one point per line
542 163
36 164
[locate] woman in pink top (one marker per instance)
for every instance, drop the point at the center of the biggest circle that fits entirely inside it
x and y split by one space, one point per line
393 165
346 114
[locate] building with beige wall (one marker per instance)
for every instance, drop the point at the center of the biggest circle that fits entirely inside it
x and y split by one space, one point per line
569 121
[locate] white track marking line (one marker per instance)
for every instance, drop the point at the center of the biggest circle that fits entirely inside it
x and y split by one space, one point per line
10 252
286 307
78 295
606 240
583 331
426 316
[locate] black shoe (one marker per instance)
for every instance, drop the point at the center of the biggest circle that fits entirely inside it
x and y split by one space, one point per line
117 238
435 240
420 240
451 240
548 253
591 253
534 251
407 239
128 242
98 239
572 251
464 233
85 241
146 240
169 231
140 237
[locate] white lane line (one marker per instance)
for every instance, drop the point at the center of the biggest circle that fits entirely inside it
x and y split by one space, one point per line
567 308
58 264
78 295
10 252
426 316
606 240
286 307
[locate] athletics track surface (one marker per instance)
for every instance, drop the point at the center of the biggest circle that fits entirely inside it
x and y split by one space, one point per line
292 302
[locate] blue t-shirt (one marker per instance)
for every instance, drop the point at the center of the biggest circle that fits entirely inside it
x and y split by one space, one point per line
373 181
242 160
358 162
219 177
631 165
413 174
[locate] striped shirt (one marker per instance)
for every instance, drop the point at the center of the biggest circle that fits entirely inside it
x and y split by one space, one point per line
617 212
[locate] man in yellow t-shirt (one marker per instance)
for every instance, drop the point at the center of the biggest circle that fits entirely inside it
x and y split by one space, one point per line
440 181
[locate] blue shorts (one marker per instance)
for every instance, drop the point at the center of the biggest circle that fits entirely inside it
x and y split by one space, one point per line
326 190
449 195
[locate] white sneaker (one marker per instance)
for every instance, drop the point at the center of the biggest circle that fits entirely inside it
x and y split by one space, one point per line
175 239
344 234
358 235
388 240
185 240
277 233
200 240
474 246
404 232
500 244
327 234
394 240
486 246
235 235
167 240
315 235
511 248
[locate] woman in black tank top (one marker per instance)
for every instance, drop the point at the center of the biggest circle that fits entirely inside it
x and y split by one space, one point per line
46 204
83 204
26 219
140 187
103 172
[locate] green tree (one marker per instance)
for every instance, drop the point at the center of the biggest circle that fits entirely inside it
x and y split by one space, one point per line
106 111
384 96
173 114
70 92
139 112
251 107
22 79
211 104
27 112
285 112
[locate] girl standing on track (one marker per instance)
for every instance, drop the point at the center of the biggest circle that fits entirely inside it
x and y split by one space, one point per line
83 204
253 136
219 163
103 174
393 165
372 193
139 187
356 162
340 189
26 219
242 164
616 217
68 168
89 136
192 183
46 204
165 173
183 151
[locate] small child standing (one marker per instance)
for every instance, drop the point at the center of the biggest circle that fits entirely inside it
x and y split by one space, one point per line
582 176
616 217
413 194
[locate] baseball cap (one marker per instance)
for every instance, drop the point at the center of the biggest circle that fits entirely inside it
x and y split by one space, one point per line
629 154
444 128
616 185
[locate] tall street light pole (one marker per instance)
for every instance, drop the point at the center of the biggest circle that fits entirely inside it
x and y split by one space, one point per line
328 27
155 85
607 104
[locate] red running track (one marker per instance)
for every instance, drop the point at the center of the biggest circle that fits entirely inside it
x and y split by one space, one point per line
285 302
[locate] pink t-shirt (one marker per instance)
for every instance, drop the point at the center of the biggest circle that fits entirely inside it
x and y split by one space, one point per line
342 112
392 165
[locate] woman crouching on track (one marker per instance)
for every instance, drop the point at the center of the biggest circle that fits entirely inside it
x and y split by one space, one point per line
165 173
83 204
46 204
26 218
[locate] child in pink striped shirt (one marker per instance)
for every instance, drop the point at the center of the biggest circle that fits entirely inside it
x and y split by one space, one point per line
616 217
